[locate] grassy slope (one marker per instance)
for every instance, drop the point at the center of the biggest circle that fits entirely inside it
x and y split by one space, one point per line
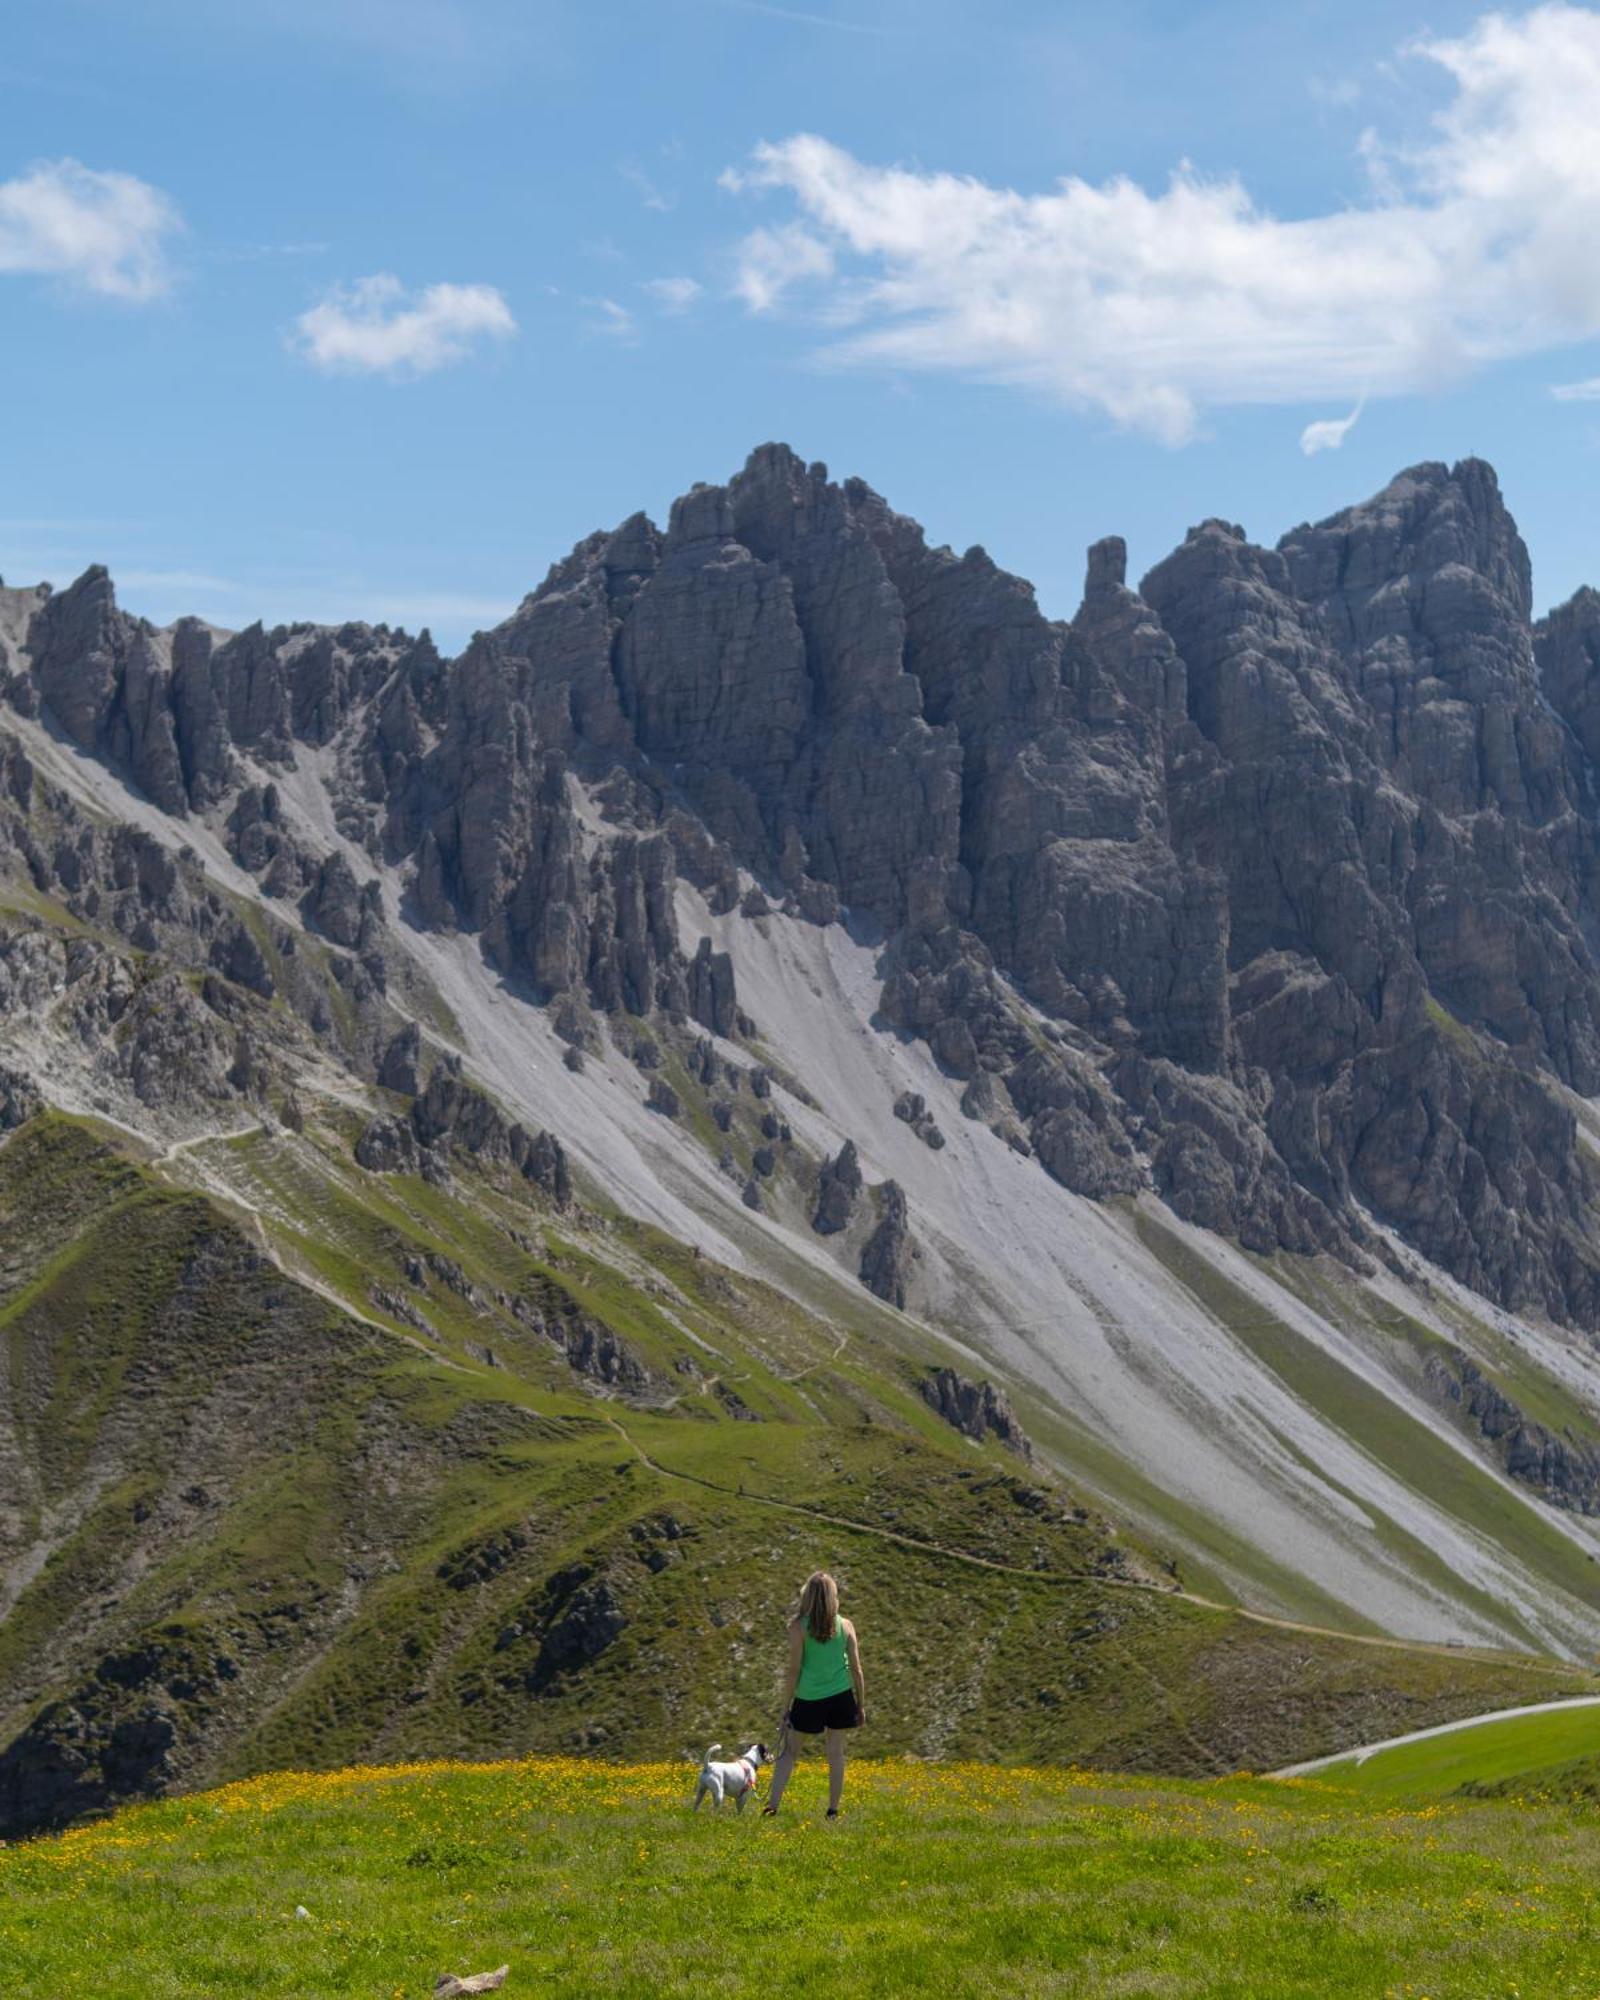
961 1880
318 1539
1525 1753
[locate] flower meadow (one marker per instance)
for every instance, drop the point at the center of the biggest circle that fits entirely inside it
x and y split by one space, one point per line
591 1878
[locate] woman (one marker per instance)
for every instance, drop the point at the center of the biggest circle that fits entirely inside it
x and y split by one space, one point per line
825 1694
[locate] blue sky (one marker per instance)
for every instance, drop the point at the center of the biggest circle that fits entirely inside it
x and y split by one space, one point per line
374 307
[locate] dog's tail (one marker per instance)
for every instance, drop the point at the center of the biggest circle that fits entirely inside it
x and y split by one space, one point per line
714 1751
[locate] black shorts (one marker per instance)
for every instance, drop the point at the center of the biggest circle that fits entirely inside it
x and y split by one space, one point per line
830 1711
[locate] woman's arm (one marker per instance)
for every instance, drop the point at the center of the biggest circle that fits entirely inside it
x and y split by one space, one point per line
791 1676
853 1654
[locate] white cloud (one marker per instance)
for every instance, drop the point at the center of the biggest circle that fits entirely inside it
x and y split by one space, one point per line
102 232
613 320
772 261
375 327
673 295
1477 244
1328 433
1578 392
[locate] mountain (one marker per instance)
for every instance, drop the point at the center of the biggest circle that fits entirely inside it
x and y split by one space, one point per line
781 1026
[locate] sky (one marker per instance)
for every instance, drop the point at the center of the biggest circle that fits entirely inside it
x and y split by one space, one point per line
372 308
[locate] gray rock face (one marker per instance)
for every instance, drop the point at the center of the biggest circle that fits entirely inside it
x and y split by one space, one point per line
387 1146
1269 886
19 1099
711 990
586 1615
1563 1470
143 1041
663 1098
262 842
454 1115
113 1739
1567 651
401 1066
334 902
911 1107
838 1192
977 1409
169 708
888 1254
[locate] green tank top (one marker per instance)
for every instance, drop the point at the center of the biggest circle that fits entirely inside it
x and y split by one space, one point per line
824 1666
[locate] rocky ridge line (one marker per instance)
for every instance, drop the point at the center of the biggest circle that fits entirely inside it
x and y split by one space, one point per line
1268 886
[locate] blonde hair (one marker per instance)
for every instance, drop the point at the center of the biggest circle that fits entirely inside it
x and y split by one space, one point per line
819 1604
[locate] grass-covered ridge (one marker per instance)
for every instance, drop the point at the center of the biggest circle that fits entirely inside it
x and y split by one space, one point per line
968 1880
248 1529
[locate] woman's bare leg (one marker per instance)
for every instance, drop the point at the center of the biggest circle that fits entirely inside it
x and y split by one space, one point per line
782 1772
835 1768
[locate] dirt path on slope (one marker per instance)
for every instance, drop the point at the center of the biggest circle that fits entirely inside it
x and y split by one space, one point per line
1382 1641
171 1151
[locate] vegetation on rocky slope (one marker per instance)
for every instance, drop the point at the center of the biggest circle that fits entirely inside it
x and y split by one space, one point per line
250 1529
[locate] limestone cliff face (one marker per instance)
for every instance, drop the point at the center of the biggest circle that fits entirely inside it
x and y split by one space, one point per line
1269 886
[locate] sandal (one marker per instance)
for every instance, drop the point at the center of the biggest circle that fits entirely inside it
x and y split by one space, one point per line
769 1812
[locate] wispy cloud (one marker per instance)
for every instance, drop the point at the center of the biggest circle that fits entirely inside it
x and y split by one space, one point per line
432 46
672 295
1337 93
168 594
259 253
1152 307
804 17
101 232
1578 392
1328 433
196 581
613 320
376 327
165 592
661 200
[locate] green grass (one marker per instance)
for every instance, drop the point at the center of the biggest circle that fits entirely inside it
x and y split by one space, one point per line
961 1880
1524 1748
21 899
1455 1031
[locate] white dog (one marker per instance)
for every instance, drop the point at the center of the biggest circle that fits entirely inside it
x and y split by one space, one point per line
734 1781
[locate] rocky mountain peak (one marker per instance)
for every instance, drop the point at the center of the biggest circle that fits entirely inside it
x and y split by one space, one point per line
1274 842
1107 566
1436 552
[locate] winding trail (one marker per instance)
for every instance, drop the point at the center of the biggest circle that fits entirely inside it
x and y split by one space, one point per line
1363 1751
950 1554
171 1151
1380 1640
297 1268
